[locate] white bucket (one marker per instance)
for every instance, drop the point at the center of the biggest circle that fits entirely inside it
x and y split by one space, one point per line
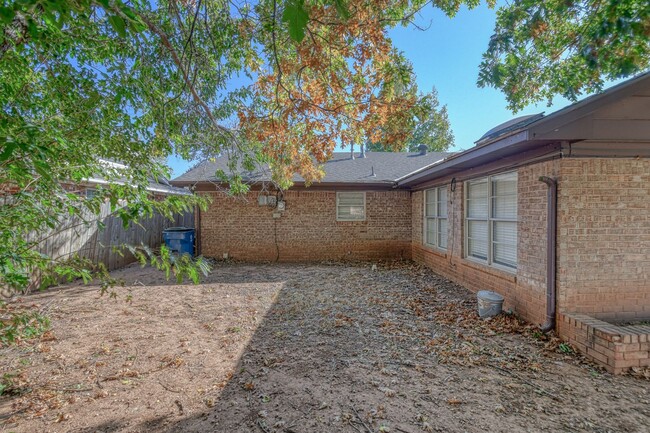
489 303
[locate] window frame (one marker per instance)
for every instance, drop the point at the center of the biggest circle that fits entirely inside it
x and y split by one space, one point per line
437 218
338 206
90 193
490 220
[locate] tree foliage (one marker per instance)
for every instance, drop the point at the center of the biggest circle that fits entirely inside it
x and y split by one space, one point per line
431 128
338 81
273 81
559 47
75 93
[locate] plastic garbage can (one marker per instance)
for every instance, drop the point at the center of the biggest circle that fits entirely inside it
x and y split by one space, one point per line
180 240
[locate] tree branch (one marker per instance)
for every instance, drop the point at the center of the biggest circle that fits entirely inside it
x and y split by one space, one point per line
186 78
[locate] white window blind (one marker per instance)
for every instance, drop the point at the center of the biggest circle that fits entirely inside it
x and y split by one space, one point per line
477 219
350 206
504 196
491 219
477 239
504 243
441 215
435 217
504 219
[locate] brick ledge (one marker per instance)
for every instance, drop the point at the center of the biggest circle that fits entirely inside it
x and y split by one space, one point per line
617 348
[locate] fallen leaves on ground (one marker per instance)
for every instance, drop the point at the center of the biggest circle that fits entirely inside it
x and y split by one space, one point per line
281 348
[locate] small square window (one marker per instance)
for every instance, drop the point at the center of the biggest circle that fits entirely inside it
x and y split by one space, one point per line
350 206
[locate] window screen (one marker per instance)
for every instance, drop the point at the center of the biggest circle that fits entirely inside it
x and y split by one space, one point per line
350 206
491 219
435 217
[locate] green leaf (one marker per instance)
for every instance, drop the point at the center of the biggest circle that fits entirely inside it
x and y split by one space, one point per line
342 9
118 24
296 17
6 14
8 151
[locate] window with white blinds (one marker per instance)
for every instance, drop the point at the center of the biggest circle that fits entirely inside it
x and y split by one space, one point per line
435 217
491 219
350 206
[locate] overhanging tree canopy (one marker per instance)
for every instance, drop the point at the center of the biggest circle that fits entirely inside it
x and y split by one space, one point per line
281 81
432 128
541 49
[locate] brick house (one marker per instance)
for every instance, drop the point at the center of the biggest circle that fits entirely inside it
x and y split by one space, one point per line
553 212
355 212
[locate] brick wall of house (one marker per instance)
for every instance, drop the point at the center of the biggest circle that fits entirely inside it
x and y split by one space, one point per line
604 238
603 254
308 229
525 289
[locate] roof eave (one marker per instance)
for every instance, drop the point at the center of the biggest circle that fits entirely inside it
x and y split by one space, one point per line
476 152
162 189
591 103
487 141
379 184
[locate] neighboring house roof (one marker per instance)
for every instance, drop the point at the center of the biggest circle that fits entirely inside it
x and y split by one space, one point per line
375 167
615 122
160 185
154 186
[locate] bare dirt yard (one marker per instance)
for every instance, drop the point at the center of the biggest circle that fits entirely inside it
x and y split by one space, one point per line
297 349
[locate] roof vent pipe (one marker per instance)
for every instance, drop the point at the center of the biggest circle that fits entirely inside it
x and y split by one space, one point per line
372 171
423 149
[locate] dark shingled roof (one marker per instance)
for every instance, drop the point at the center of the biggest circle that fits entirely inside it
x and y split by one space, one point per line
510 126
341 168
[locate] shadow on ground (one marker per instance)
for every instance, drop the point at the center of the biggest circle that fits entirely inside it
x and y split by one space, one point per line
331 347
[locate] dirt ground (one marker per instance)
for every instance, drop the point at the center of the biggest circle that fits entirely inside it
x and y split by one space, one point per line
297 349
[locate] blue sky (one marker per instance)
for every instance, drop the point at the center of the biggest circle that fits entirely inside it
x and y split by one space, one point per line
447 56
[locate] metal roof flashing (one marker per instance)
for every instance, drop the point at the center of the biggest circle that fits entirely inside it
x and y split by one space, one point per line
506 129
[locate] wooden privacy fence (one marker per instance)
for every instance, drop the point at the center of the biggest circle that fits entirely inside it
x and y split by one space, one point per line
86 238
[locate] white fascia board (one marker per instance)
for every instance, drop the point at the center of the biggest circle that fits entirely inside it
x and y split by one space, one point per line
149 188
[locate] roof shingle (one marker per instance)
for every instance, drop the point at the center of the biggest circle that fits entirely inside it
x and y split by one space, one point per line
376 167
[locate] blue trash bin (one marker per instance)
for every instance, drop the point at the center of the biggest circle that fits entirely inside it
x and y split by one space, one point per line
180 240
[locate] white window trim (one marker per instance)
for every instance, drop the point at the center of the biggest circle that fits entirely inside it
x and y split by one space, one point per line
436 218
490 220
338 218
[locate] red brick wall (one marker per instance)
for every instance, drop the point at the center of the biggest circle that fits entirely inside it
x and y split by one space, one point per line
603 241
308 229
604 238
617 348
525 289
